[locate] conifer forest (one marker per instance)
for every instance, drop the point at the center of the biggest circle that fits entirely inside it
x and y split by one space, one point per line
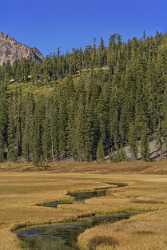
87 104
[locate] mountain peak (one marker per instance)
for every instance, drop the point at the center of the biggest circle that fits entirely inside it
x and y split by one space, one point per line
11 50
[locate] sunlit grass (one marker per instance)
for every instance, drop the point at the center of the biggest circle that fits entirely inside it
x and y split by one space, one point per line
21 192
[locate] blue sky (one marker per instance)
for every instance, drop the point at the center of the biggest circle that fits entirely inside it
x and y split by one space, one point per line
49 24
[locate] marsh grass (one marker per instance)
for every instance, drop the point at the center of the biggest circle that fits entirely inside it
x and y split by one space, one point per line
21 189
102 240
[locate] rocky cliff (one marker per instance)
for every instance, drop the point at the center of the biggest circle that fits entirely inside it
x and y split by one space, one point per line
11 50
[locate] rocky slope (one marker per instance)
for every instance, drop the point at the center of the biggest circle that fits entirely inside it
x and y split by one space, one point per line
11 50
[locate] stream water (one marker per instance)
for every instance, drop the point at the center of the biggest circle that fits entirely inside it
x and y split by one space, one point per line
63 236
81 196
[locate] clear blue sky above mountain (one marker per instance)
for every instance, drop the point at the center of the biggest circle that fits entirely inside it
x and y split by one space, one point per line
48 24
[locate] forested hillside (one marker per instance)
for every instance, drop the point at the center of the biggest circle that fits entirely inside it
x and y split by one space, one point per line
86 104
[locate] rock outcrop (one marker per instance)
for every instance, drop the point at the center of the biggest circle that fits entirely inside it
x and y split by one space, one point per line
11 51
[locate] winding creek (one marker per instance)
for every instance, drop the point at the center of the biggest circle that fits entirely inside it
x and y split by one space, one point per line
63 236
81 196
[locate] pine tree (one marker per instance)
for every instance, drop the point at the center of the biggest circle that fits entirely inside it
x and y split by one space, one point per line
132 140
100 151
3 120
144 143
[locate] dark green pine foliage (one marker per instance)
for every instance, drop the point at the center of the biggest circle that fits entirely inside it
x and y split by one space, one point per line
11 133
28 126
100 151
3 120
87 104
144 143
133 140
37 143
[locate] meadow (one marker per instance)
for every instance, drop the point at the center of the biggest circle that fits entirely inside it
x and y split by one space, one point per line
23 188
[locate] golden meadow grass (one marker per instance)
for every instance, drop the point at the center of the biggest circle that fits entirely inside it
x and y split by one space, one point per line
22 189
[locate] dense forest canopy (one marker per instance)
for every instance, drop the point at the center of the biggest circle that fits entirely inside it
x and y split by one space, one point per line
86 104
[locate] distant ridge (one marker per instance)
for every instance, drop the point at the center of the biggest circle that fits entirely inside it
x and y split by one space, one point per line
11 51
